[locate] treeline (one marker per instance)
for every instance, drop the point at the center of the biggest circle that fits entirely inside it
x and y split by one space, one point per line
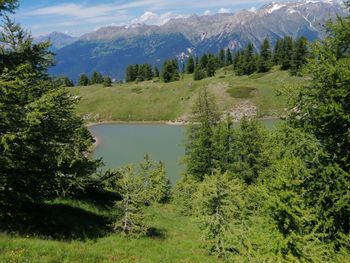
96 78
169 72
277 195
288 53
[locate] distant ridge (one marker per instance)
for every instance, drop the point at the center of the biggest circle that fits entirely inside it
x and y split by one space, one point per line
111 49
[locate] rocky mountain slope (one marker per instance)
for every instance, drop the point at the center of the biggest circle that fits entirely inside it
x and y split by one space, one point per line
111 49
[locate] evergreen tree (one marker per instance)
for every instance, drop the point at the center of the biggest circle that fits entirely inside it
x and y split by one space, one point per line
107 82
156 72
249 65
264 60
299 56
131 189
190 65
200 149
278 52
218 202
83 80
222 57
8 6
229 59
63 82
199 73
156 182
203 62
170 71
249 150
96 78
211 66
44 146
287 52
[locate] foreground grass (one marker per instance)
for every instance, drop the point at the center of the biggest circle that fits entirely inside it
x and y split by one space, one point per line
157 101
175 239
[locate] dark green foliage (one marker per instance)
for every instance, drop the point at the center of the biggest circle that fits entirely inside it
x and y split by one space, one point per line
139 73
190 65
229 59
8 6
44 146
287 52
200 149
156 72
264 62
96 78
170 71
249 158
245 61
63 82
300 55
222 57
83 80
107 82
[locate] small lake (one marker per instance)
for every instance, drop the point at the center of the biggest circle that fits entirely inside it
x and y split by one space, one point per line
121 144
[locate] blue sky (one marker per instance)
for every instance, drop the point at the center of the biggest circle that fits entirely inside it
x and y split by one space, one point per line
79 17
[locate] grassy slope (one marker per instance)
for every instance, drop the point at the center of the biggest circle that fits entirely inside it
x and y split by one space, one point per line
156 101
178 240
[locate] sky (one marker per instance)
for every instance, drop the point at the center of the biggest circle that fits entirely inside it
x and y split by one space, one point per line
78 17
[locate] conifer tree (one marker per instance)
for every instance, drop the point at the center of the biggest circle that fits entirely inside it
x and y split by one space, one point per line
156 72
218 202
264 60
190 65
131 189
83 80
200 148
156 182
222 57
96 78
287 52
299 56
229 59
44 146
107 82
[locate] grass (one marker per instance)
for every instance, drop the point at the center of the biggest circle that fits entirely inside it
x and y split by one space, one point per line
241 92
88 238
157 101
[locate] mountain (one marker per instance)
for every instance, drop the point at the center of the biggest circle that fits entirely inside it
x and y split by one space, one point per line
111 49
58 40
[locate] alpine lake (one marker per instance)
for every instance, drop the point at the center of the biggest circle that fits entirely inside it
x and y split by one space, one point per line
122 144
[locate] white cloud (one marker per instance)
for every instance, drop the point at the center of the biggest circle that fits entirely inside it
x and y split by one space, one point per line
207 13
224 10
155 19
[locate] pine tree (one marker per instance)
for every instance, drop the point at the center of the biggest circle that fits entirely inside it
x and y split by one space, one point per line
200 149
287 52
96 78
249 150
299 56
229 59
156 72
211 66
264 60
249 63
222 58
107 82
8 6
83 80
190 65
44 146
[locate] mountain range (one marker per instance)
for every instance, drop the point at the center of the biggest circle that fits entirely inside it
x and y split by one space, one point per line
110 49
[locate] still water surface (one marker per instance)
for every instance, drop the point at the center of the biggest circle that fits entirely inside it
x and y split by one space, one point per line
121 144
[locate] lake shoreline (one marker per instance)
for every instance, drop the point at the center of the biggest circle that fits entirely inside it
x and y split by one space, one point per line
170 123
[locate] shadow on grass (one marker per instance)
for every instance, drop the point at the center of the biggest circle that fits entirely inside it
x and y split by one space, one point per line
156 233
55 221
